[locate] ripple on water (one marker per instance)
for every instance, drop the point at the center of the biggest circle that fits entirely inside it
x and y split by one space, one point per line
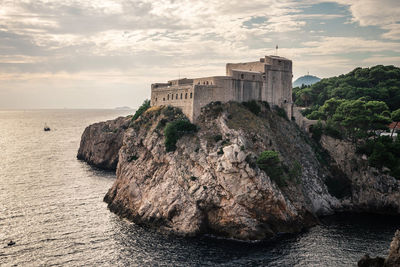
51 206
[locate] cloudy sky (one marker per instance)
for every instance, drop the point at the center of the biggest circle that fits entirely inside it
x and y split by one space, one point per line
103 54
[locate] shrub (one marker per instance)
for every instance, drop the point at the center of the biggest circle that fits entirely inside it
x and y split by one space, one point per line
269 162
252 106
281 112
317 130
175 130
141 109
193 178
132 158
332 130
295 172
220 151
217 137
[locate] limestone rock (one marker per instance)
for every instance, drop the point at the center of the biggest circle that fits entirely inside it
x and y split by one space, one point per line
209 186
371 190
367 261
394 252
100 143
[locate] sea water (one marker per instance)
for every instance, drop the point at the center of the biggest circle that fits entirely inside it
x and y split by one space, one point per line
51 205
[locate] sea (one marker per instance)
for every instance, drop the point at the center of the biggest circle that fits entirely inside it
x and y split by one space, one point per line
51 206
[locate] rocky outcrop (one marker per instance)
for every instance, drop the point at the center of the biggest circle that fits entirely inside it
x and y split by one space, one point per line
100 143
394 252
393 260
371 190
367 261
211 184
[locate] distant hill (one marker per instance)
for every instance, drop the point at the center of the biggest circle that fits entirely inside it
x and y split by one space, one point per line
123 108
306 80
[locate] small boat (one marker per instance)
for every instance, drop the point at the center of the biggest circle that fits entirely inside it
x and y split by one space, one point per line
46 128
11 243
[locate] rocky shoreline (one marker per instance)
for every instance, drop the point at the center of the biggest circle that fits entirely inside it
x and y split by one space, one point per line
211 183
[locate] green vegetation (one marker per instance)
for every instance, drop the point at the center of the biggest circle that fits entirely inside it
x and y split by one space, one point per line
281 112
295 172
175 130
141 109
132 158
379 83
269 162
252 106
383 152
217 137
358 106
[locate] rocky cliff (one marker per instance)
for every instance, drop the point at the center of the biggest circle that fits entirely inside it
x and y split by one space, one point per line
100 143
211 184
370 189
394 252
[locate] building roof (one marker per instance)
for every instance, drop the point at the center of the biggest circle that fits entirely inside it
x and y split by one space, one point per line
393 124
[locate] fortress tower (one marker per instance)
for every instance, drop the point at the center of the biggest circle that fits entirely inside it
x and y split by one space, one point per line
269 79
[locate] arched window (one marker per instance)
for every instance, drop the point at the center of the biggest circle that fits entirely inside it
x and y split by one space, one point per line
186 96
254 77
168 97
156 99
172 96
207 82
176 97
163 99
242 76
181 95
191 94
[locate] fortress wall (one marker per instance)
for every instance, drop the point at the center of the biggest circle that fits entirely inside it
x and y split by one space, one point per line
177 96
256 66
204 94
278 87
243 90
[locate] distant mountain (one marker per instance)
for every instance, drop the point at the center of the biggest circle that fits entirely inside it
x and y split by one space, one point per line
123 108
306 80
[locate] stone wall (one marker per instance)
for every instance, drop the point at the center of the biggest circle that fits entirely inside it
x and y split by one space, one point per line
269 79
177 96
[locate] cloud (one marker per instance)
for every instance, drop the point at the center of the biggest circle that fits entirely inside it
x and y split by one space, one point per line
382 13
143 41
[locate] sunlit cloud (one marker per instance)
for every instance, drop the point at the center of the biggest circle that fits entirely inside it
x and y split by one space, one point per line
103 43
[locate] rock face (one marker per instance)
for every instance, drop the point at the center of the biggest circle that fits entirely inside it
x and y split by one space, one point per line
367 261
371 190
211 184
100 143
394 252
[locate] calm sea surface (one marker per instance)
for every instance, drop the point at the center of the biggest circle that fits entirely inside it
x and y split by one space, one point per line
51 206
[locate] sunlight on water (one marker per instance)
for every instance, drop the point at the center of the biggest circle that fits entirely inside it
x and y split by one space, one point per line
51 206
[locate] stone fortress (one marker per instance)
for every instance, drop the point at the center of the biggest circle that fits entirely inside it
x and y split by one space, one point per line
269 79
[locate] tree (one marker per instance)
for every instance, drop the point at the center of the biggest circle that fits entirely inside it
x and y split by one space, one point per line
395 118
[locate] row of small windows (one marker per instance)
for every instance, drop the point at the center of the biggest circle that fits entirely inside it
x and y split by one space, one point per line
177 96
205 83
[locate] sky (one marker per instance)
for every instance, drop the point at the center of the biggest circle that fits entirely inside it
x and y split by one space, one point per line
105 54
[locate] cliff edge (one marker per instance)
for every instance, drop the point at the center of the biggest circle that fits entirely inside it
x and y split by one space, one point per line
211 182
100 143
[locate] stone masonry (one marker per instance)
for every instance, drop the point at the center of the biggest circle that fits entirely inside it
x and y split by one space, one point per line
269 79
